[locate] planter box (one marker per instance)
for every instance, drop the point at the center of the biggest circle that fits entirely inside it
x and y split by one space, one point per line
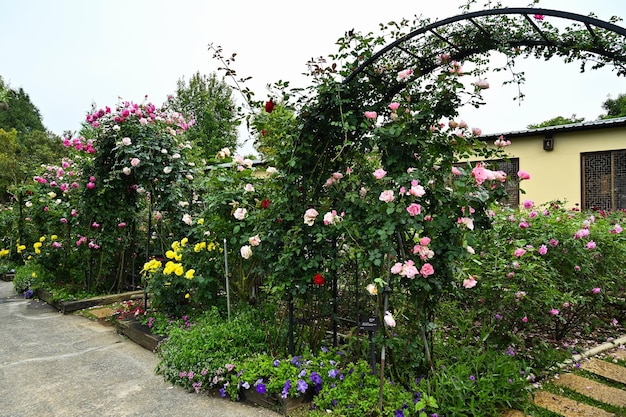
283 405
71 306
139 334
7 276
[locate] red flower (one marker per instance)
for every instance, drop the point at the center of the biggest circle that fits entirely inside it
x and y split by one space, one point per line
539 16
269 106
319 279
265 203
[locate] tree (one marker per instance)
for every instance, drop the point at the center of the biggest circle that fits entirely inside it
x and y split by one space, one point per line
20 114
209 102
557 121
614 107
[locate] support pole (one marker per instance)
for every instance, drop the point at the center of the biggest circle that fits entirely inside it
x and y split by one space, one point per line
227 280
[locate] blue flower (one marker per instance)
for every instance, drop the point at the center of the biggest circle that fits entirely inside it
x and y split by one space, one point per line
315 378
276 363
286 389
302 386
333 373
260 388
399 413
223 392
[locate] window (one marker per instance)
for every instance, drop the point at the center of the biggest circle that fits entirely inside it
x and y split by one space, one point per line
604 180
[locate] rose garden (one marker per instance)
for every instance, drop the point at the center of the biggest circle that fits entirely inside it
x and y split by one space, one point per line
366 263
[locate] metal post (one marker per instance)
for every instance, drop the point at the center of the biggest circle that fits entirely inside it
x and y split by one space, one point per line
227 281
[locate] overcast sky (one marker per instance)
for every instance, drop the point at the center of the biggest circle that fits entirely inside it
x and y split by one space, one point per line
68 54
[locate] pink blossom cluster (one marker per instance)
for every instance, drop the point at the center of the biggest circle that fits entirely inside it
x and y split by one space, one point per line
409 270
80 144
482 174
335 177
501 142
144 113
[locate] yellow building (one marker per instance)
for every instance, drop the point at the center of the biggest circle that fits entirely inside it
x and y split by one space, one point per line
581 164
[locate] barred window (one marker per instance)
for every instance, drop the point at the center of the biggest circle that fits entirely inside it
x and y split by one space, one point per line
604 180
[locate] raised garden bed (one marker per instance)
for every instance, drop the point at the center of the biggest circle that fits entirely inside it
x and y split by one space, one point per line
7 276
71 306
139 333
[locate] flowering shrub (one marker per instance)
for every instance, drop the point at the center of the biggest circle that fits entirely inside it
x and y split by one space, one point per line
548 270
185 279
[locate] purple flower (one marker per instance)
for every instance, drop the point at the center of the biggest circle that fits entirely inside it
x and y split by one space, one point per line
276 363
472 378
333 373
223 392
399 413
302 386
260 388
286 389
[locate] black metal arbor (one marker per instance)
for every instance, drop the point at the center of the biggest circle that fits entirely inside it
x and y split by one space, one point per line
473 33
519 32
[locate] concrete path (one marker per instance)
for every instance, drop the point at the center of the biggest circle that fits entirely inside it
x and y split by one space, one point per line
65 365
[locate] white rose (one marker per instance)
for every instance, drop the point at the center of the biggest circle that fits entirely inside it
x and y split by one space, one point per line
246 252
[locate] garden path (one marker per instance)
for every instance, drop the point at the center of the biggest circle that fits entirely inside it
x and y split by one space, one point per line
66 365
600 391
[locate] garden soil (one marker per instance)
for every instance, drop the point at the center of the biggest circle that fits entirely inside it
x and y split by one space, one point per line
67 365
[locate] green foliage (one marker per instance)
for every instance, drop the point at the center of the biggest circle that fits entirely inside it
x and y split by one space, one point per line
557 121
614 107
477 382
21 113
27 276
207 101
207 351
547 271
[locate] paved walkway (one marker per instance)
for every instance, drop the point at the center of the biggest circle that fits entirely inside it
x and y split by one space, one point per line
65 365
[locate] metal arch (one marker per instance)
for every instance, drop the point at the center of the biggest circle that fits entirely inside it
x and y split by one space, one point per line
587 20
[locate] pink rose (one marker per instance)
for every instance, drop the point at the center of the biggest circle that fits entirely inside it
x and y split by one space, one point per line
414 209
523 175
543 250
394 106
386 196
404 74
379 173
425 241
389 320
427 270
396 268
519 252
135 162
469 282
482 84
596 290
370 115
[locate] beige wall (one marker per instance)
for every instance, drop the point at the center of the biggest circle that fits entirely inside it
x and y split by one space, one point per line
556 174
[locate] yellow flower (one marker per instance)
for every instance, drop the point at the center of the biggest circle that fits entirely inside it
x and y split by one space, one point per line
184 241
211 246
200 221
189 273
151 266
54 237
37 245
187 295
169 267
20 248
178 270
34 275
4 252
176 246
178 256
199 246
42 239
170 254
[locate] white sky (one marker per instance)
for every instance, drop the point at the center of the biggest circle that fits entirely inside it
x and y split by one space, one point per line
67 54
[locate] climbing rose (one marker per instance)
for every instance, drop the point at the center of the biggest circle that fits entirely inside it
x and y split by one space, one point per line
126 141
427 270
414 209
482 84
135 162
394 105
240 213
389 320
386 196
469 282
379 173
254 240
404 74
318 279
246 251
523 175
126 170
309 216
370 115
